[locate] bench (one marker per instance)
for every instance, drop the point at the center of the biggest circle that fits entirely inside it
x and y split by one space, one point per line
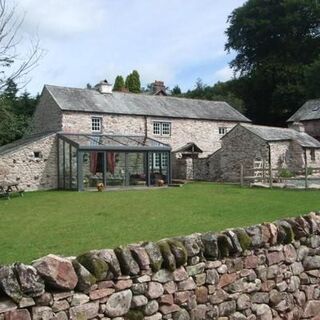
9 188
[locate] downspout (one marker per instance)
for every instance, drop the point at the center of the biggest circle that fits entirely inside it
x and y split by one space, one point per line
305 168
145 127
270 166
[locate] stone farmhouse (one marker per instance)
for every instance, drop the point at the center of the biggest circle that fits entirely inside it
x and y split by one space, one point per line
279 148
83 137
309 115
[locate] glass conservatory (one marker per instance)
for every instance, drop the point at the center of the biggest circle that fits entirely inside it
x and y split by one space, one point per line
86 160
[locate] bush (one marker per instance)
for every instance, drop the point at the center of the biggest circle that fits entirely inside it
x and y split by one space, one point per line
309 171
285 173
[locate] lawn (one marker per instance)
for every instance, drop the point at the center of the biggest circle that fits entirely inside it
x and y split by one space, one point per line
69 223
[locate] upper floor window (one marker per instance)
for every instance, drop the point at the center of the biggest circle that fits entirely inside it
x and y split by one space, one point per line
223 130
161 128
96 124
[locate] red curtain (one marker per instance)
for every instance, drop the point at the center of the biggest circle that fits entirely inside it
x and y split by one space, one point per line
93 162
111 162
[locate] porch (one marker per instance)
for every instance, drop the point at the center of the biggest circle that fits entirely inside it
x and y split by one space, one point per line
86 160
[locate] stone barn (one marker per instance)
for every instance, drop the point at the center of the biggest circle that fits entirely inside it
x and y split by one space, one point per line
309 116
247 144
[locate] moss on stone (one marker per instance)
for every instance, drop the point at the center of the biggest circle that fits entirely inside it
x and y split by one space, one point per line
169 261
285 233
179 252
223 246
154 254
296 228
134 315
244 239
85 278
98 267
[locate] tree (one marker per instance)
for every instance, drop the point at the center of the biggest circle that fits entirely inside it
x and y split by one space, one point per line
118 84
176 91
133 83
274 41
221 91
14 65
15 113
312 79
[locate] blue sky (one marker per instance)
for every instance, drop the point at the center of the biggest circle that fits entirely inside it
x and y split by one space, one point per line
176 41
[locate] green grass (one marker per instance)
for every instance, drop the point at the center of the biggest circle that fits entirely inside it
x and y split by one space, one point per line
69 223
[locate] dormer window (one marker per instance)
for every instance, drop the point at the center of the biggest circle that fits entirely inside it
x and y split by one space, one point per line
96 124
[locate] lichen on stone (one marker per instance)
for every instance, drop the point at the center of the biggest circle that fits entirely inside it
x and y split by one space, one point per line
154 254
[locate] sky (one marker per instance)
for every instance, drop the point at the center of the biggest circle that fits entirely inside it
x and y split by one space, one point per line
176 41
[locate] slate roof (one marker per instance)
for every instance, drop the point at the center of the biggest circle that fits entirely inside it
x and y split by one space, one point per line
86 100
24 141
309 111
272 134
188 148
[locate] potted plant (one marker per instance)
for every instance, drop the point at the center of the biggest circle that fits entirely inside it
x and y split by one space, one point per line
100 186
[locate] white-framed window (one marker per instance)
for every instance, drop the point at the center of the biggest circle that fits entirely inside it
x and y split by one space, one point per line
156 160
157 128
96 124
161 128
223 130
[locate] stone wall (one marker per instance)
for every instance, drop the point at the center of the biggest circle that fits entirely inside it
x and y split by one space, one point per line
47 116
204 133
190 169
312 127
262 272
239 147
32 173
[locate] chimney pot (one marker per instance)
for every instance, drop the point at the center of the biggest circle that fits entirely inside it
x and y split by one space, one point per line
158 87
104 87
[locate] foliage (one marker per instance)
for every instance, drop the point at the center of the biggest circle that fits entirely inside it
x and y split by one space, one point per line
218 92
277 45
285 173
309 171
312 79
133 83
176 91
15 113
118 84
56 218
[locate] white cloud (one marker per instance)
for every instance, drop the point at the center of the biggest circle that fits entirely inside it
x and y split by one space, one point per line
172 40
223 74
61 18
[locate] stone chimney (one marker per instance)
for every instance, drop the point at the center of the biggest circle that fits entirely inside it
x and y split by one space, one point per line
104 87
158 88
298 126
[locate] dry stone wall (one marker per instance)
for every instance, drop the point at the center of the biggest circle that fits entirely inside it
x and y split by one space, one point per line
263 272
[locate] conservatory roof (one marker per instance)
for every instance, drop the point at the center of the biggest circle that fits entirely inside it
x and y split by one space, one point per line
103 142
